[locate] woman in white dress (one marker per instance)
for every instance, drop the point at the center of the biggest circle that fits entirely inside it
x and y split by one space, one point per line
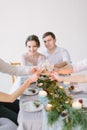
32 56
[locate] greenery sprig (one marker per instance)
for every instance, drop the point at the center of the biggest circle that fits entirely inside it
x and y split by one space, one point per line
61 105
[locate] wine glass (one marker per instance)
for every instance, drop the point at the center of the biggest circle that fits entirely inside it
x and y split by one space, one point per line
41 63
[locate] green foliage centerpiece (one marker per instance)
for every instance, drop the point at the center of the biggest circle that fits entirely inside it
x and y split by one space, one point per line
61 105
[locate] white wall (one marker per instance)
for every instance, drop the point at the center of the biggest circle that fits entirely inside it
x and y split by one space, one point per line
20 18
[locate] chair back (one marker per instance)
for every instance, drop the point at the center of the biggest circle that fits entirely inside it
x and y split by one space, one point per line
14 64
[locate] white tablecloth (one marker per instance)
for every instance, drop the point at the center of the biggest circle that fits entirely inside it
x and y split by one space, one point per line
6 124
38 120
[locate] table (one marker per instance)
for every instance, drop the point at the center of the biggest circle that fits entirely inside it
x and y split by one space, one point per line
38 120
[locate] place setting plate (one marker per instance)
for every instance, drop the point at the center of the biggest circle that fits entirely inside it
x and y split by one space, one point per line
32 106
76 91
84 101
31 91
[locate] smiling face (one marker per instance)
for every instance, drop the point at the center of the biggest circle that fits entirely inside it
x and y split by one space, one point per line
49 42
32 47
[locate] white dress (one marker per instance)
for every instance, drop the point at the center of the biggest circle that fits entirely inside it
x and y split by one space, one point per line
80 66
33 60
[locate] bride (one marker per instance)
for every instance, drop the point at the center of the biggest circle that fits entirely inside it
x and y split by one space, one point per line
32 56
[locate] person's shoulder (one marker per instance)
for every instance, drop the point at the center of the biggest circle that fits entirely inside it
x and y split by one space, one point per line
62 49
1 60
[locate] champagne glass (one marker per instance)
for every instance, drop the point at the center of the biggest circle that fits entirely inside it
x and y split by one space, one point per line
41 63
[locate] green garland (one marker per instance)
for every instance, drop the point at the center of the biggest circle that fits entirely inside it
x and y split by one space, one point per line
61 105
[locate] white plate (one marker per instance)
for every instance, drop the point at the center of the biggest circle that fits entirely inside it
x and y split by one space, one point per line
30 106
84 105
31 91
76 90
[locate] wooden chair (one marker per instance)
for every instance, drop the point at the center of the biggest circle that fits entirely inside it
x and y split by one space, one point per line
14 64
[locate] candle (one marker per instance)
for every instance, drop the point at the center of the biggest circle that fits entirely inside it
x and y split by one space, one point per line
43 96
66 84
61 87
76 105
42 93
48 107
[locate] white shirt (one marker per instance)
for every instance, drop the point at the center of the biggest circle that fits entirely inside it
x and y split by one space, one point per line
58 56
79 66
14 70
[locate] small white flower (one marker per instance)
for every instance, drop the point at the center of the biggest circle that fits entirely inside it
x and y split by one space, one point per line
40 84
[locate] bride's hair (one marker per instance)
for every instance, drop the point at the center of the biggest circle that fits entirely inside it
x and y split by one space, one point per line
33 38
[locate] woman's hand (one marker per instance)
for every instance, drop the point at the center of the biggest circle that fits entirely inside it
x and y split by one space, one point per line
37 70
55 76
34 70
34 77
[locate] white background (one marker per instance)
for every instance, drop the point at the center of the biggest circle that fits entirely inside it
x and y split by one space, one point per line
20 18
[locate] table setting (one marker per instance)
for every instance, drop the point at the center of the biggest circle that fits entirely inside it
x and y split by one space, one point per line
48 105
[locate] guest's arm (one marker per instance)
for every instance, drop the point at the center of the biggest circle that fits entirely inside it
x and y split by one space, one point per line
11 97
65 59
62 64
68 69
15 70
73 68
75 78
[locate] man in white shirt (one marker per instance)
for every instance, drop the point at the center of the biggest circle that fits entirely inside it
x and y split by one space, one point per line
57 56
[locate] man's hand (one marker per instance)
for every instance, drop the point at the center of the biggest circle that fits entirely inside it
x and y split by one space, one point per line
64 70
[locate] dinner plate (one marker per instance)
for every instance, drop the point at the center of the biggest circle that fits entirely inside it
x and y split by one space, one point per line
76 90
31 91
32 106
84 104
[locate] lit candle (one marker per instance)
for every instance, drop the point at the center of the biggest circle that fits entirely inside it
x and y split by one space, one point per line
42 93
76 105
61 87
66 84
48 107
42 96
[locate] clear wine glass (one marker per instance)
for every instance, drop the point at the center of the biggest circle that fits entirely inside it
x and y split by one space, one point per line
41 62
45 64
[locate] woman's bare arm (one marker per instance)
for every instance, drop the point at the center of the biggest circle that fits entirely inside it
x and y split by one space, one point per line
11 97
